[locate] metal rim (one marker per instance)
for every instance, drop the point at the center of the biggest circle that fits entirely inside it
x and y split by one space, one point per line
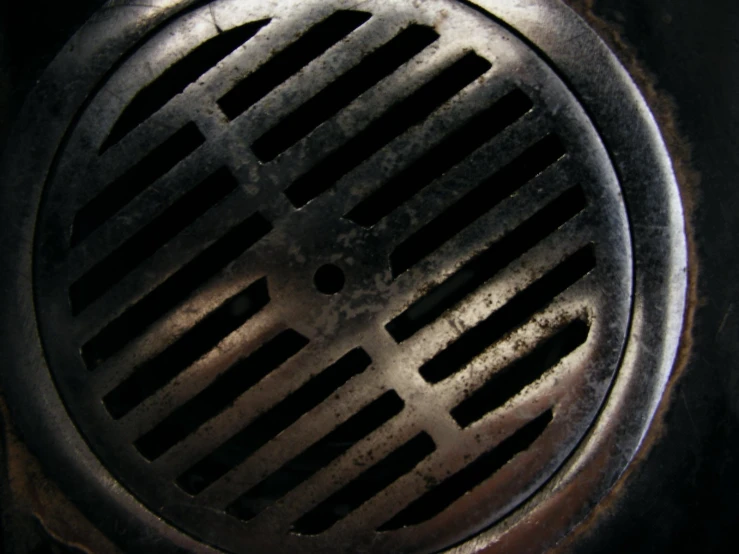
660 280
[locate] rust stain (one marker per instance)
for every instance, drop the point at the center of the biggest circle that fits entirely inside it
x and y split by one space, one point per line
33 494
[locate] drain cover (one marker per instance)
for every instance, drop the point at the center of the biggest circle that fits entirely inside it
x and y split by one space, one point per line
329 276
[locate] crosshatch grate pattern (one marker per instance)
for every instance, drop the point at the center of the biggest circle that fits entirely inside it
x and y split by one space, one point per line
433 158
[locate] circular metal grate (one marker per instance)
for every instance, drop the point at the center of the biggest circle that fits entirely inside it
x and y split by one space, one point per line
251 153
327 276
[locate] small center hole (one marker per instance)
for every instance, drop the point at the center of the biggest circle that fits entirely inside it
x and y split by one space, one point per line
329 279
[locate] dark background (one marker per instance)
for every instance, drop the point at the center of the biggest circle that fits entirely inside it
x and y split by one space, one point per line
685 496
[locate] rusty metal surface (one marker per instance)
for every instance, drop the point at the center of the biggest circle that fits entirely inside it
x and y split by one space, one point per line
37 517
303 238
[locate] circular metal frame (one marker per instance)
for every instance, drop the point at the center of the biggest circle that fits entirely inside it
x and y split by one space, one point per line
631 137
591 227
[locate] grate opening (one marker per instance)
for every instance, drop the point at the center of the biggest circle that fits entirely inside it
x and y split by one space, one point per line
178 77
481 128
517 311
484 266
453 488
317 40
227 387
139 317
150 238
363 488
393 123
153 374
135 181
316 457
509 381
476 203
343 91
271 423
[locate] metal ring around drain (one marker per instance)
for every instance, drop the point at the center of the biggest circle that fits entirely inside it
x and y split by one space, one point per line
659 271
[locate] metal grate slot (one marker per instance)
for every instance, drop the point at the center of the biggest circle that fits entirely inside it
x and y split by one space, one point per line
227 387
368 484
145 242
316 457
137 318
153 374
393 123
513 314
134 181
509 381
177 78
344 90
289 61
267 426
484 266
441 158
476 203
453 488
